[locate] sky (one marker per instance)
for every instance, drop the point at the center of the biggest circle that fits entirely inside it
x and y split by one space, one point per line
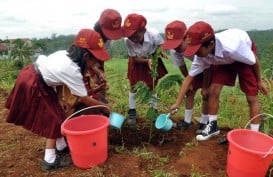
43 18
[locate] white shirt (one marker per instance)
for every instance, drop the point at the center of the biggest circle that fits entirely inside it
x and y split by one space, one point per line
233 45
58 69
152 39
178 58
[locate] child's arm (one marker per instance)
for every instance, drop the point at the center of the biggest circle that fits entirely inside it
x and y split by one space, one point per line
182 92
261 84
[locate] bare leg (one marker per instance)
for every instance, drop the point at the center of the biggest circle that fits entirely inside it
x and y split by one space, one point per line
50 143
214 94
254 106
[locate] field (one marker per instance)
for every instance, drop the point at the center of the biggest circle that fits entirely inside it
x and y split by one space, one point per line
175 153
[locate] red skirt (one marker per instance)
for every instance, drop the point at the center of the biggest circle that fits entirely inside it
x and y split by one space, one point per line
141 72
34 105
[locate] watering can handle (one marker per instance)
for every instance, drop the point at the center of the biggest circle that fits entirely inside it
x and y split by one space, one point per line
90 107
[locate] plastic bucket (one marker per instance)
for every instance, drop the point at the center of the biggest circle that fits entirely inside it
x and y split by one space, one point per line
249 153
163 122
116 120
87 139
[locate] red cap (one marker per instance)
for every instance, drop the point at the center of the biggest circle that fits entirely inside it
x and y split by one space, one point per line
133 23
92 41
110 23
197 34
174 34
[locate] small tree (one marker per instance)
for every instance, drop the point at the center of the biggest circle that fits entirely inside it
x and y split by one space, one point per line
20 52
147 96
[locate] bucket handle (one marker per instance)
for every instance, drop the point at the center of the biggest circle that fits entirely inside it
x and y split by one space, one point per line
270 150
90 107
254 117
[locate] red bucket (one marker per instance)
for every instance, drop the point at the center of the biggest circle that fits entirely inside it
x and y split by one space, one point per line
87 139
249 153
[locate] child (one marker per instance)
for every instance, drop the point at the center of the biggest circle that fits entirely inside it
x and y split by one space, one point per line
175 42
230 53
38 109
141 43
109 27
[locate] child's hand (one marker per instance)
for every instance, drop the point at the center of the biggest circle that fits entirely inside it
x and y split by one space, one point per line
174 109
150 62
205 93
262 88
64 105
164 55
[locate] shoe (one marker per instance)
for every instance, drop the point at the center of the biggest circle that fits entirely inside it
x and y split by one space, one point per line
182 125
200 128
209 131
60 162
64 151
132 116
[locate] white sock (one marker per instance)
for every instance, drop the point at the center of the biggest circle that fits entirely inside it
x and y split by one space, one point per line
188 115
212 118
50 155
204 118
255 127
132 101
60 144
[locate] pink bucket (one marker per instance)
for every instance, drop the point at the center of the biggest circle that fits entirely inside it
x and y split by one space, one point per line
249 154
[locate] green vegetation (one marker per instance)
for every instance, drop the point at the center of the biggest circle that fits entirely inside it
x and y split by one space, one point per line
233 113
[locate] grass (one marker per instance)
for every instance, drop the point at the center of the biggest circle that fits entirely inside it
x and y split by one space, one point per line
233 112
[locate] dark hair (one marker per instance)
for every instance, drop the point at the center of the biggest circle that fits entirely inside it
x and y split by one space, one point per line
206 43
76 53
98 29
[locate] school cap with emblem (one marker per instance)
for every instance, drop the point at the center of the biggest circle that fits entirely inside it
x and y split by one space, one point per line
132 23
174 34
92 41
197 34
110 23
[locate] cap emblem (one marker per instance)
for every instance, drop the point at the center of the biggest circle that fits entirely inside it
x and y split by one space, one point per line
127 23
82 40
115 24
205 36
169 35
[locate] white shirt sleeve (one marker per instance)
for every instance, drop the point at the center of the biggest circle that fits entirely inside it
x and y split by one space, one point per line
198 65
177 58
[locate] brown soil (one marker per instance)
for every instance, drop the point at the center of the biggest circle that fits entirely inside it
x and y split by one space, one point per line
175 152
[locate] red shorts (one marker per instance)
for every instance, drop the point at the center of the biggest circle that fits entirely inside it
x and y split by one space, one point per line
226 75
141 72
197 82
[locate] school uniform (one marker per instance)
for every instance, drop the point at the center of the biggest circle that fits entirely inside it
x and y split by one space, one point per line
140 71
33 102
234 55
178 61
